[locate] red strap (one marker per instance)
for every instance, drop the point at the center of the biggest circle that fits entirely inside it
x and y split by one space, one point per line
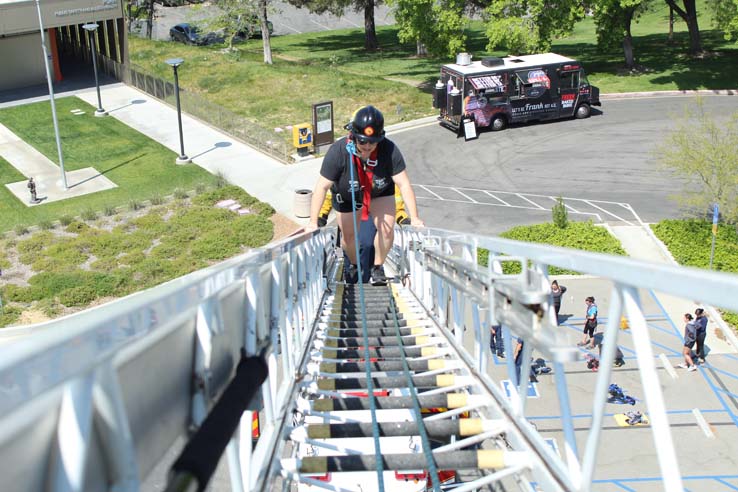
366 176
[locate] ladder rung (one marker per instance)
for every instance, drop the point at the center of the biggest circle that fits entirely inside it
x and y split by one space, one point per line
448 400
380 353
387 383
456 460
437 429
389 365
355 342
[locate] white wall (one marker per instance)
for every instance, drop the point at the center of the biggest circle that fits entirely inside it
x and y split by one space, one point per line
22 61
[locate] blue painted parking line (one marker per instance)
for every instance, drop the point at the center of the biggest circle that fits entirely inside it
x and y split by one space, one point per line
589 415
554 445
532 388
620 482
666 315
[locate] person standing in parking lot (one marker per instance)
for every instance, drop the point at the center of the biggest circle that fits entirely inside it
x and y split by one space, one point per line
701 324
556 292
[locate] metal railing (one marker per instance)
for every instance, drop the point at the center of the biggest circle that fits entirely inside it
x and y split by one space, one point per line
93 401
265 140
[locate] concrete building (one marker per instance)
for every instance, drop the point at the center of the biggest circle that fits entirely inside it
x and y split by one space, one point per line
21 56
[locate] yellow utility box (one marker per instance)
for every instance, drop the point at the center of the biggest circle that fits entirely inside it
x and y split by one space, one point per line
624 325
302 135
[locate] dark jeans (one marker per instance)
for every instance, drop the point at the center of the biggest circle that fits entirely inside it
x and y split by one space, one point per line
701 344
496 345
367 231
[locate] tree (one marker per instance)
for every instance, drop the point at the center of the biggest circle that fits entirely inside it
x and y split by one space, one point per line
437 27
560 214
525 26
689 15
725 16
266 39
705 153
338 7
613 19
233 17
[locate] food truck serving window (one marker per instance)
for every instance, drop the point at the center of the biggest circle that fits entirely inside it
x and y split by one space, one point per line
532 83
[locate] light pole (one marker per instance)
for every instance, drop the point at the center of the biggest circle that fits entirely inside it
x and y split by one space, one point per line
174 63
91 28
51 96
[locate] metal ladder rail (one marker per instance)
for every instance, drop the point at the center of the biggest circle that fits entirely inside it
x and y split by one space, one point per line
429 370
439 263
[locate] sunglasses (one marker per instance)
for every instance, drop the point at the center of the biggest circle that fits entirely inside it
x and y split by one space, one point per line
363 140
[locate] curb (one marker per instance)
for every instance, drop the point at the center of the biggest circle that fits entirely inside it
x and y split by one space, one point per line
702 92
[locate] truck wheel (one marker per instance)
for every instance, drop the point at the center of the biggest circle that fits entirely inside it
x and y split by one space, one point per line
498 123
583 111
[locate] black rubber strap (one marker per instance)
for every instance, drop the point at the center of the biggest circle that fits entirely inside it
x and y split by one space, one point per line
202 453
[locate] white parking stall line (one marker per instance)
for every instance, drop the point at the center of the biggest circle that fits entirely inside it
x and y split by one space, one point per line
429 191
608 212
465 196
706 428
350 22
320 25
288 27
526 197
498 199
529 201
627 207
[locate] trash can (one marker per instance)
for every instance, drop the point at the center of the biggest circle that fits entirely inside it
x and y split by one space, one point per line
303 197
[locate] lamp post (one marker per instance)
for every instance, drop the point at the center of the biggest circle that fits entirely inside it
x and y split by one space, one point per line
174 63
51 96
91 28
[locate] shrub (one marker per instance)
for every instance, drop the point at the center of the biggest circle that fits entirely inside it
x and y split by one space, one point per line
220 180
180 194
690 242
134 205
89 214
110 210
20 230
46 225
76 227
560 214
200 188
65 220
577 235
9 315
80 295
16 293
156 200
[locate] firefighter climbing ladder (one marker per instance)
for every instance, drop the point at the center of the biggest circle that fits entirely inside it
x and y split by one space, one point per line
358 388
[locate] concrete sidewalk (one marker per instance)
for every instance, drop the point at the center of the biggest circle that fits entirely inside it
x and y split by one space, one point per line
641 244
260 175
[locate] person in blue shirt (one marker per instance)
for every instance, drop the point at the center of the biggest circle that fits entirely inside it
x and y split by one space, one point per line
590 324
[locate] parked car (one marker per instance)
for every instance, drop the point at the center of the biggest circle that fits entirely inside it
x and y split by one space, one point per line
191 34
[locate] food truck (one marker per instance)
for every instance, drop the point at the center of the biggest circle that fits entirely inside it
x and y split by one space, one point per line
495 92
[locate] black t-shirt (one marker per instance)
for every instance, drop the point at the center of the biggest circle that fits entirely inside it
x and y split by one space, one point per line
389 163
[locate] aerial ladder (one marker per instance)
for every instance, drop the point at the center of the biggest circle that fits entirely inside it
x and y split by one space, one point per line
356 387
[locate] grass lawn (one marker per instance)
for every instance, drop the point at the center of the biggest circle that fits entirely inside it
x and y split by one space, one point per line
332 65
141 168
